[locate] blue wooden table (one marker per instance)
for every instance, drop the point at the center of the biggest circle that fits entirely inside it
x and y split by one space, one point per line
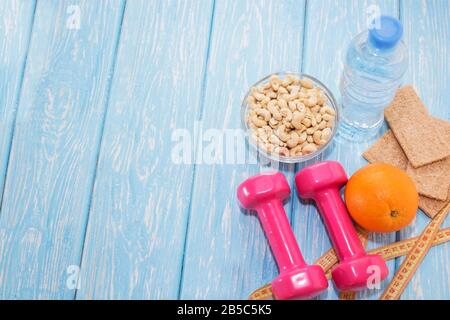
91 93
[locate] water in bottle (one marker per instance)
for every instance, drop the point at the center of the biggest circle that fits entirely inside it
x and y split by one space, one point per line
374 65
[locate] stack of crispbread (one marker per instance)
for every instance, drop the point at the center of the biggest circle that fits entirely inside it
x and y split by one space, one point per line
419 144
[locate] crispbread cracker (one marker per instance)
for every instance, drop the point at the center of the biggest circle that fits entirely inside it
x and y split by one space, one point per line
431 206
414 129
433 180
444 127
388 150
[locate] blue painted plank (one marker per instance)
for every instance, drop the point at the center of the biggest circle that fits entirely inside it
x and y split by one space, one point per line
134 246
16 19
427 35
136 231
330 27
227 255
55 146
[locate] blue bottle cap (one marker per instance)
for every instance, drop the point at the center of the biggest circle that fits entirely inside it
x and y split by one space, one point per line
386 33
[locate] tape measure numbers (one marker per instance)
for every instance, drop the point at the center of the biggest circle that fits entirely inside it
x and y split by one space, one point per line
388 252
414 257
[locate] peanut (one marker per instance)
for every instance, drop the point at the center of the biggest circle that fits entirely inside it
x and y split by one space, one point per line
251 100
326 134
327 117
264 113
295 90
311 102
306 122
306 83
274 111
258 122
282 151
315 109
301 107
317 137
275 140
292 105
322 125
282 134
283 90
309 148
311 130
286 113
296 151
271 94
289 116
302 137
293 140
297 118
273 122
282 103
318 118
328 110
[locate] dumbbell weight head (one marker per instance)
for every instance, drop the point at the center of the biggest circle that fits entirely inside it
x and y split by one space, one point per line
263 188
300 283
322 182
356 273
317 177
297 280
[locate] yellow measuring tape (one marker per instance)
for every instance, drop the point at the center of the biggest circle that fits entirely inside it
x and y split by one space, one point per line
414 257
388 252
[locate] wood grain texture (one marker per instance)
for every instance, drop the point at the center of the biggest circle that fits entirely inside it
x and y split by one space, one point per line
227 255
330 27
135 239
427 35
155 229
16 19
53 154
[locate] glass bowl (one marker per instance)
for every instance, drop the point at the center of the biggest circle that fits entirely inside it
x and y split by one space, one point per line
289 159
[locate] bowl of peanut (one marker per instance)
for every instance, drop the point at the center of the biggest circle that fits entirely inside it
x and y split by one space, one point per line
289 117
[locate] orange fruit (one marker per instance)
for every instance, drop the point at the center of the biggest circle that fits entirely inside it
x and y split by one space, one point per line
381 198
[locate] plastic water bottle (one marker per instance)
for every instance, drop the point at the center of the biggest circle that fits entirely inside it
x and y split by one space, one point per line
374 65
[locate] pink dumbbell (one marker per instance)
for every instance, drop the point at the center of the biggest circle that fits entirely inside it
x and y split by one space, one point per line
265 194
322 182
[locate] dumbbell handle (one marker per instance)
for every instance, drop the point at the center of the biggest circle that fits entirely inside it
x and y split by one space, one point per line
337 221
279 233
